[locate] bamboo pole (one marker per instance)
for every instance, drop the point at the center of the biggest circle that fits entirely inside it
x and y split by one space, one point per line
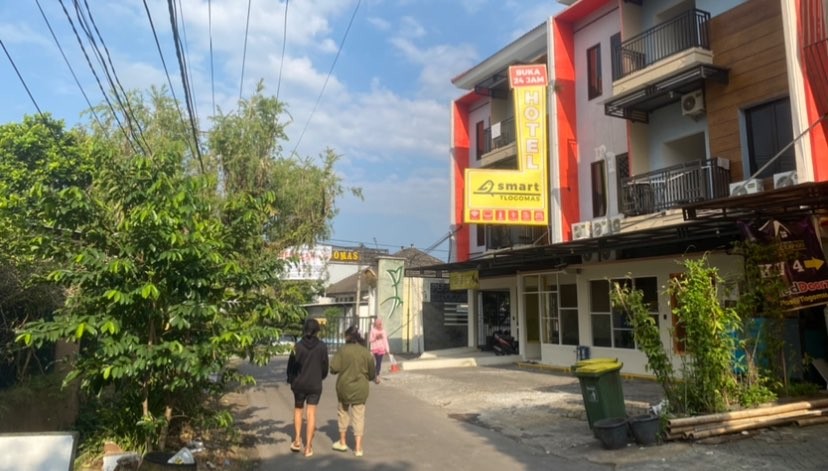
811 421
748 420
758 412
757 423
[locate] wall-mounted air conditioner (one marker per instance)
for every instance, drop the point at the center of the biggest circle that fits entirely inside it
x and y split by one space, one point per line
692 104
746 187
606 226
581 230
783 179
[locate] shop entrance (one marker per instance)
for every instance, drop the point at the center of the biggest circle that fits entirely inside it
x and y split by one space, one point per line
496 317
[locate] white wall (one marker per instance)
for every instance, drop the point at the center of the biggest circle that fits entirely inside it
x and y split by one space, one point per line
668 124
594 128
661 268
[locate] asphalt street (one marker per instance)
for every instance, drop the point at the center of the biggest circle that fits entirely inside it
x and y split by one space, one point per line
479 418
403 433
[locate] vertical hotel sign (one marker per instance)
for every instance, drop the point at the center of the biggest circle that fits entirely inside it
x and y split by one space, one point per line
520 197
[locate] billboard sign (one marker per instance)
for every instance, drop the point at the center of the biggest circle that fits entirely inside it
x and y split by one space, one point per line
306 263
521 196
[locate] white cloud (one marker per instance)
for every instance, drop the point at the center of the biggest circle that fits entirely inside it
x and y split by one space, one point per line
437 63
22 33
411 28
379 23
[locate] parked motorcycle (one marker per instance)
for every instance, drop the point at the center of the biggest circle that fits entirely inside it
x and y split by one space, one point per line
503 343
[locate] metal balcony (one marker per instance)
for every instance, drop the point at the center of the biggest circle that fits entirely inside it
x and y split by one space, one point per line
674 186
686 31
506 137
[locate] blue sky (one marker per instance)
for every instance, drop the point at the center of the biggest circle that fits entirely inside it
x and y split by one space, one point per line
385 108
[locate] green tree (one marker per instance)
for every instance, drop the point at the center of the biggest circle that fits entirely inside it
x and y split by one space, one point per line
162 256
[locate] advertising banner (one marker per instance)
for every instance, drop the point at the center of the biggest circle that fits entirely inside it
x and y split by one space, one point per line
306 263
521 196
801 260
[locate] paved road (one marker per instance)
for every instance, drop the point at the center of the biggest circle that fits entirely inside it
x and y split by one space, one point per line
403 433
499 418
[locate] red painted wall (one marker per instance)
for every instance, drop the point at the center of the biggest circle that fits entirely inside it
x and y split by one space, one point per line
566 139
460 162
813 43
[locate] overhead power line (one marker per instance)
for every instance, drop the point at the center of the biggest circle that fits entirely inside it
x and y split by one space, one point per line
69 64
325 84
166 71
184 81
244 51
23 81
114 80
98 80
210 33
284 43
186 53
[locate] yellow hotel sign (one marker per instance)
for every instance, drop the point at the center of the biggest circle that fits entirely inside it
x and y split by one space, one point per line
519 196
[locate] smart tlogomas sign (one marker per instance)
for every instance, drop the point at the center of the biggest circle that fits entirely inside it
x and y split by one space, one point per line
518 197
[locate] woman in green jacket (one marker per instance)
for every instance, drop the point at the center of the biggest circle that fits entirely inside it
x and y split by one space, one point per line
355 366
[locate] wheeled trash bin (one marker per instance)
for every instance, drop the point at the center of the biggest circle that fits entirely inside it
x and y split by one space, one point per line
601 388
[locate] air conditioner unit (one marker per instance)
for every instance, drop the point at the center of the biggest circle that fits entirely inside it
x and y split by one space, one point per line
581 230
604 255
692 104
606 226
746 187
783 179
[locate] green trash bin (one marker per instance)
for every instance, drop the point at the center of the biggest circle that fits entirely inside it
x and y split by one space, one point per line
601 388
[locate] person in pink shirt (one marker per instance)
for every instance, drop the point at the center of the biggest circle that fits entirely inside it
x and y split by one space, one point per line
378 339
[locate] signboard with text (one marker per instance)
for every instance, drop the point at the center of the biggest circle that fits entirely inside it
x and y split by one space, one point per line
518 197
800 260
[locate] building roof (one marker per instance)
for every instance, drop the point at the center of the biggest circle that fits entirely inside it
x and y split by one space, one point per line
524 49
709 225
413 258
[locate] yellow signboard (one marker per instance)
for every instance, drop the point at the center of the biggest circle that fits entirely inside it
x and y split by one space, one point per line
464 280
521 196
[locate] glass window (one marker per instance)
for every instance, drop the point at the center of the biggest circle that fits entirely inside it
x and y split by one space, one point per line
769 130
599 300
611 327
601 330
599 189
557 305
480 135
594 71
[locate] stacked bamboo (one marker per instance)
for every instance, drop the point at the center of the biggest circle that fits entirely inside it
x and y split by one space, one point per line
703 426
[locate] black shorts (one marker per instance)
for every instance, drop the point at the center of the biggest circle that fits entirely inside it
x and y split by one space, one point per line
300 397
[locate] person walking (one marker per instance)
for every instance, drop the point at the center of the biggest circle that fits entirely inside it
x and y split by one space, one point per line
354 365
378 339
307 367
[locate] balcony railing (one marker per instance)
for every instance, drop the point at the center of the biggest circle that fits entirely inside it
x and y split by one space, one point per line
686 31
673 186
506 137
500 237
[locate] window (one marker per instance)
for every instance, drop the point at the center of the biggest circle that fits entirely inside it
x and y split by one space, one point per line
769 129
599 189
594 71
557 306
611 327
481 235
480 130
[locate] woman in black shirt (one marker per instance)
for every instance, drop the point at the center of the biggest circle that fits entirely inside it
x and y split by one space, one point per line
307 367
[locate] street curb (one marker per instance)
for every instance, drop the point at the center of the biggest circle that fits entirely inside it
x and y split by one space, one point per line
568 370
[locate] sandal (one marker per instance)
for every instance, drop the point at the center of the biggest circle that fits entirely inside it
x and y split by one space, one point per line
308 452
296 447
339 446
358 453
